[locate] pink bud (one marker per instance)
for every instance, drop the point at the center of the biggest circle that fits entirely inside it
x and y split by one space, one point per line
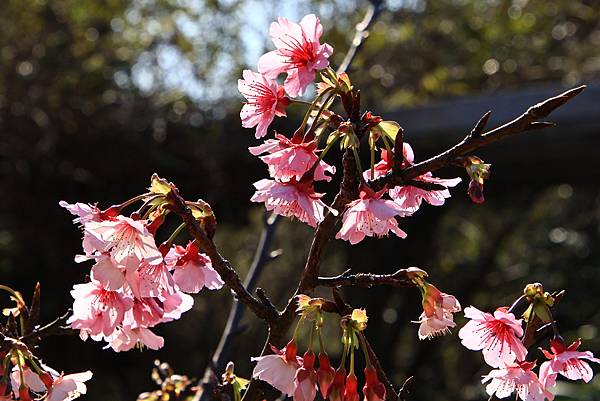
351 389
24 393
336 391
291 351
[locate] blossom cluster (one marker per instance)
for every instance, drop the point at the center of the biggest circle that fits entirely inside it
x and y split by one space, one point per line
133 284
295 164
499 336
297 376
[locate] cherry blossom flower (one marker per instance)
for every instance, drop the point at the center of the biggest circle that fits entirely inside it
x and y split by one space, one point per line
289 159
84 212
127 240
128 338
175 305
305 381
292 199
298 53
497 336
370 216
97 311
68 387
279 369
108 273
437 318
265 98
409 197
373 390
150 280
566 361
519 378
192 270
325 374
31 380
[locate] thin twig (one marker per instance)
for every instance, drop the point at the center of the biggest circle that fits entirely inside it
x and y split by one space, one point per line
525 122
401 278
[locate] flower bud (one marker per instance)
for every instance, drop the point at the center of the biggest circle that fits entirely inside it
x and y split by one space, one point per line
325 374
336 390
373 390
24 393
351 388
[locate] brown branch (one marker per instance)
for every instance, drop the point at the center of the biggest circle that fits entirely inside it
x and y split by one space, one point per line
221 265
401 278
56 327
474 140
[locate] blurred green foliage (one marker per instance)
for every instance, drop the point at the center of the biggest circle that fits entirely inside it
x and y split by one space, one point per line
97 95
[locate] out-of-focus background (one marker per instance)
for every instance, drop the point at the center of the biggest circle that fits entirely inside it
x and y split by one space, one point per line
96 95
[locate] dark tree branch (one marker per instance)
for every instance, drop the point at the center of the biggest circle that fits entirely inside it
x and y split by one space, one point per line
56 327
474 140
262 257
221 265
401 278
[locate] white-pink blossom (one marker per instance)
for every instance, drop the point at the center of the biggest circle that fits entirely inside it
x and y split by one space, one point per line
291 158
298 53
291 199
68 387
516 378
566 361
279 369
438 312
497 336
370 216
265 100
192 270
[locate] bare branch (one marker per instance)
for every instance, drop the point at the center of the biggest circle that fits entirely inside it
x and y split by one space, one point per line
525 122
401 278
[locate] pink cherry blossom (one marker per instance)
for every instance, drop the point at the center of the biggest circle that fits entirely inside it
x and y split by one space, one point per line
325 374
409 197
150 280
519 378
298 53
68 387
289 159
497 336
192 270
265 98
84 212
370 216
97 311
128 241
175 305
566 361
126 339
31 380
279 369
108 273
306 379
438 309
374 389
292 199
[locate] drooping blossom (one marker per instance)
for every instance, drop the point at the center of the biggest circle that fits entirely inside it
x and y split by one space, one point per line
31 381
279 369
305 381
192 270
127 338
325 374
291 158
84 212
336 390
438 308
68 387
291 199
373 390
516 378
128 241
369 215
497 336
265 100
566 361
298 53
410 197
97 311
351 388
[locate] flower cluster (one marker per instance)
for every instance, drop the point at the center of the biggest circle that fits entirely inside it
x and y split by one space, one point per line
22 374
499 336
295 164
134 284
297 376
